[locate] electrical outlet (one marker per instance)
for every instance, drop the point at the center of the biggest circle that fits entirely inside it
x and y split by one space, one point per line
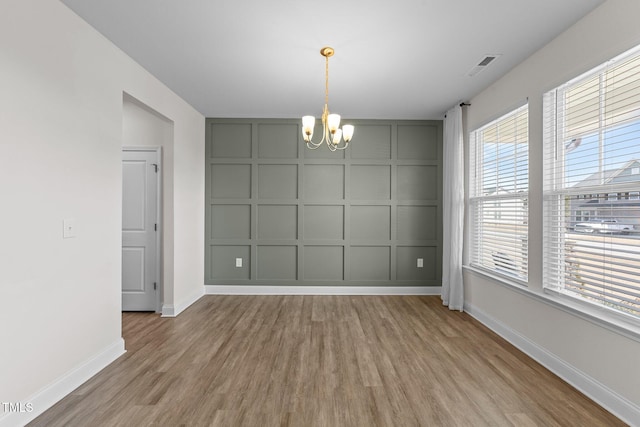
420 263
238 262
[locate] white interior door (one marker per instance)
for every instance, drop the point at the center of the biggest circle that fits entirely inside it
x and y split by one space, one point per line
139 230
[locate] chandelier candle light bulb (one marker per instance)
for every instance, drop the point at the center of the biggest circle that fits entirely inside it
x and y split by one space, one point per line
332 135
337 135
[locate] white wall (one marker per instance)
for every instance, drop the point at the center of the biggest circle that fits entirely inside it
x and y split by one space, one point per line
61 130
605 360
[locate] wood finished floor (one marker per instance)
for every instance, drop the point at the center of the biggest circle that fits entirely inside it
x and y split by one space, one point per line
321 361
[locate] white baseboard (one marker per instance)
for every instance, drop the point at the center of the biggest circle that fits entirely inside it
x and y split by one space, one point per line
610 400
167 311
51 394
322 290
172 310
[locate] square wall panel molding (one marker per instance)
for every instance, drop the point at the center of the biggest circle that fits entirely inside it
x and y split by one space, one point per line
359 217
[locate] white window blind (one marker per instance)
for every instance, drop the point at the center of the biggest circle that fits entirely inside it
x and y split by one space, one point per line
591 184
498 199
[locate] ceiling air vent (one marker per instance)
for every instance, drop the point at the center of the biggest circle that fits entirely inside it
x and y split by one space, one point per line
482 64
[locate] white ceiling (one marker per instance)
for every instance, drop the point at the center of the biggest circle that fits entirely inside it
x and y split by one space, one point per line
401 59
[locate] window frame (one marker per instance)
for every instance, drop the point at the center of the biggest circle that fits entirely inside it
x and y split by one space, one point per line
558 192
489 206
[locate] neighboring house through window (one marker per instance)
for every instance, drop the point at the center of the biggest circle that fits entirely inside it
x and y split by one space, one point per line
499 186
591 182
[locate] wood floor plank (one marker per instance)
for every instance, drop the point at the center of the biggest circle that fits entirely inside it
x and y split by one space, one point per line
321 361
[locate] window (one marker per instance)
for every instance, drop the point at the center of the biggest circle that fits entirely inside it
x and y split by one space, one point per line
583 216
499 185
591 159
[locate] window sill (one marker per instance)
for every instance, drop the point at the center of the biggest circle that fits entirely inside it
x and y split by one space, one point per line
619 323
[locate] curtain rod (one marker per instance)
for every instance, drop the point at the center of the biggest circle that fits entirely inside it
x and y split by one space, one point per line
462 104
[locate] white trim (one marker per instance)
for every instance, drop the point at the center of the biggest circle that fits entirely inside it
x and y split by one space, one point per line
168 311
54 392
618 405
321 290
172 310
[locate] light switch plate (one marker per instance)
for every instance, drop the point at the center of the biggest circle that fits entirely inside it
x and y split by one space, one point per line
68 228
420 263
238 262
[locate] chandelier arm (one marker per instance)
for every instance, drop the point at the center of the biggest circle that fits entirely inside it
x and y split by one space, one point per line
325 130
339 146
312 146
325 136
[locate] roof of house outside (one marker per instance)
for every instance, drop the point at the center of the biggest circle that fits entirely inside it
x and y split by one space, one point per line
610 176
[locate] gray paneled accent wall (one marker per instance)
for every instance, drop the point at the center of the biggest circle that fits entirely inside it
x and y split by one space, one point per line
294 216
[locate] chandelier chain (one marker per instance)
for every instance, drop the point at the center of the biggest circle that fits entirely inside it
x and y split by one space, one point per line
326 81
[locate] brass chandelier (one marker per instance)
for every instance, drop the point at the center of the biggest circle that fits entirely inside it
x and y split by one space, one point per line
332 135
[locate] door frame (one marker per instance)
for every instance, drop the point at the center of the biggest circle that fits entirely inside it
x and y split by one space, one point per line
159 204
